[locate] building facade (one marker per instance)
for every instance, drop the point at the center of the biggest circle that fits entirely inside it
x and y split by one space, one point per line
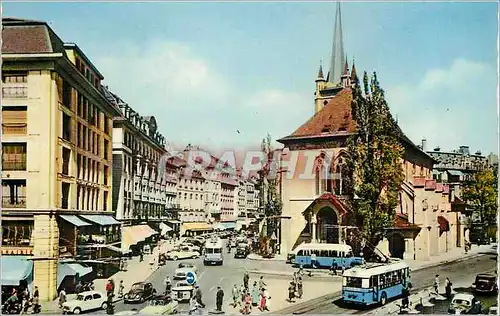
313 191
56 152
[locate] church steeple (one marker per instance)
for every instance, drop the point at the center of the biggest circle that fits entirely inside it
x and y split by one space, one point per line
353 72
320 77
338 55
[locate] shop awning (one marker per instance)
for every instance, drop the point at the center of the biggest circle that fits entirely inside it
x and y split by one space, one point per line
196 226
228 225
75 220
117 249
132 235
15 269
455 173
444 225
103 220
165 228
174 221
71 269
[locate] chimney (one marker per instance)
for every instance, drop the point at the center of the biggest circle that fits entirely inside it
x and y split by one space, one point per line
424 145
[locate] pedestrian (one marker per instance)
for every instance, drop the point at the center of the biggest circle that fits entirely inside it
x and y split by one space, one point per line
36 301
300 291
343 270
291 292
255 294
333 269
141 256
247 304
168 285
268 299
242 294
246 279
152 263
313 260
262 303
62 297
236 295
121 287
24 305
219 298
193 305
109 288
405 301
262 284
448 287
199 297
436 284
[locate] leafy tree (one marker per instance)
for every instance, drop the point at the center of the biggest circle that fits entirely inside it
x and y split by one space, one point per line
374 161
481 194
269 185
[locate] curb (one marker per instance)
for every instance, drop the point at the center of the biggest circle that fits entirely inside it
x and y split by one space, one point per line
449 261
286 273
264 259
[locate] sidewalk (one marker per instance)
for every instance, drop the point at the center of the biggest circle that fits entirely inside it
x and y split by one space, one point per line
456 254
254 256
136 272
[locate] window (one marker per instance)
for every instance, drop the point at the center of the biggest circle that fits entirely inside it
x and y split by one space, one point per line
105 206
106 124
17 234
106 149
13 156
64 195
14 120
13 194
106 170
353 282
96 296
66 153
66 127
78 165
67 92
15 85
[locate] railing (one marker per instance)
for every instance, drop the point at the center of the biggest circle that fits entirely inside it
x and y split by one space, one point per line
14 202
18 91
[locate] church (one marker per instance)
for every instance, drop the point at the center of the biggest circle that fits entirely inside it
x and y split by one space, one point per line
315 208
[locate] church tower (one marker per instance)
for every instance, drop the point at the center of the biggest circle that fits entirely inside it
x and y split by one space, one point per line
338 75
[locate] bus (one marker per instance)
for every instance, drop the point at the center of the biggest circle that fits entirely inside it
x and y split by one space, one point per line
326 254
213 254
375 283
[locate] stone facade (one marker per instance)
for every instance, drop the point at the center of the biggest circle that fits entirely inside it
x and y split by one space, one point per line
56 139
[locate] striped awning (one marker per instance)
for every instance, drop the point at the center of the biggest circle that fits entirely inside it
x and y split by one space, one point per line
132 235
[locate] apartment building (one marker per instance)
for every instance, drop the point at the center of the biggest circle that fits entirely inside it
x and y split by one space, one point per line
56 156
140 186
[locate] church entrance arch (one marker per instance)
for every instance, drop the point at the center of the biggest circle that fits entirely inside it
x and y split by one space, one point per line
396 245
328 230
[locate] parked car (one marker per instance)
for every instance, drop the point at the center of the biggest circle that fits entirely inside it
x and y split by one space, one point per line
191 247
464 304
486 283
160 305
85 301
290 258
183 269
182 253
139 292
182 291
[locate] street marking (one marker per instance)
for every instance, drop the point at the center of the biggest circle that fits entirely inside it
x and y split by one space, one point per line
202 274
213 287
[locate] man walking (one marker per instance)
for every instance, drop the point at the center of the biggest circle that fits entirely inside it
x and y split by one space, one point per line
246 279
199 297
436 284
219 299
299 287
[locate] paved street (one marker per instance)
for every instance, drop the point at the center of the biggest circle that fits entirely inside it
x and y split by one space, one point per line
460 273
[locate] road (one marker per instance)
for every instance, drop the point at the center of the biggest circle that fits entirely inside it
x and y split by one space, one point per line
459 273
209 277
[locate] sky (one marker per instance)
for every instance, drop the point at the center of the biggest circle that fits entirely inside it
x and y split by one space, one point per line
224 75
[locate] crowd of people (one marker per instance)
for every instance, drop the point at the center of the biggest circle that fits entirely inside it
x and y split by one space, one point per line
20 302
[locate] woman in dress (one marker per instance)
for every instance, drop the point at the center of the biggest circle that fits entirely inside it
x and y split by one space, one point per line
255 294
262 303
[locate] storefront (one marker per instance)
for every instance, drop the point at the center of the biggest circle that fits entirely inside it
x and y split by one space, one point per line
16 272
194 229
70 273
134 237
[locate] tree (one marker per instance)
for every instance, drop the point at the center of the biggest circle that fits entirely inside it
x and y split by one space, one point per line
374 161
269 185
481 194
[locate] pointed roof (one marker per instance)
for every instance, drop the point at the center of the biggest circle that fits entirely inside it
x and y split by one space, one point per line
346 68
320 72
334 118
353 71
338 55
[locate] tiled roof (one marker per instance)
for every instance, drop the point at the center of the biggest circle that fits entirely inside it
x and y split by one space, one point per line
335 117
401 221
25 37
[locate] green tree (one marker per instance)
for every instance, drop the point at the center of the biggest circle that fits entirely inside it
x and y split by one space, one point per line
374 161
481 194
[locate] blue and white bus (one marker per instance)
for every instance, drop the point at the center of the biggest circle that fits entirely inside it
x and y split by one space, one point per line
325 255
375 283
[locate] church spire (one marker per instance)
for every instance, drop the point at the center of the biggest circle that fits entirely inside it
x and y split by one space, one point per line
353 72
338 55
320 71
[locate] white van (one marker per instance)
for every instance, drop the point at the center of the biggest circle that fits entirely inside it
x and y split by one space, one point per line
213 252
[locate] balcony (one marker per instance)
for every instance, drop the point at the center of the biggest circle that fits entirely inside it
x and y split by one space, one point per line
15 91
14 201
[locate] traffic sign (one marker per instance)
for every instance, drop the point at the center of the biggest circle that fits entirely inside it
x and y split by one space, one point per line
190 278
